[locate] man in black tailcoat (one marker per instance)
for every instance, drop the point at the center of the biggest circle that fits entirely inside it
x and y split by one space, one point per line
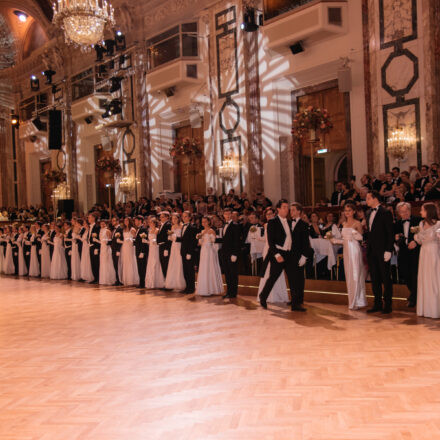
52 234
163 242
116 244
188 248
289 248
229 252
409 250
68 247
380 245
27 245
95 247
141 247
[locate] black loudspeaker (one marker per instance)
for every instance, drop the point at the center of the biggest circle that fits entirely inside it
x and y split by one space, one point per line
297 48
66 206
55 130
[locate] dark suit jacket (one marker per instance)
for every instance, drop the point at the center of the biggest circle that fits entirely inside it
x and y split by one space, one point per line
334 198
380 238
162 237
301 241
68 241
188 240
401 242
116 247
141 248
231 240
93 244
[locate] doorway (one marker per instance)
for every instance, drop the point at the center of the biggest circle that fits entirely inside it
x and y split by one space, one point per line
105 181
190 177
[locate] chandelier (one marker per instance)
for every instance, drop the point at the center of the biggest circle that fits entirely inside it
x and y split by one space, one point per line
400 143
229 168
83 21
127 184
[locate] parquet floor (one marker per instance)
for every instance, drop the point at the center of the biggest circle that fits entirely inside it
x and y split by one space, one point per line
80 362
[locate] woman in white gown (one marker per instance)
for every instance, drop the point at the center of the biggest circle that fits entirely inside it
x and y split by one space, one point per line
428 281
354 266
58 265
279 292
75 261
34 266
45 253
154 276
209 278
107 275
22 269
128 274
9 260
86 265
175 279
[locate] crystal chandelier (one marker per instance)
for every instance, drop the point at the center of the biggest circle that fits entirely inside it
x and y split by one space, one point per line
127 184
83 21
400 143
228 170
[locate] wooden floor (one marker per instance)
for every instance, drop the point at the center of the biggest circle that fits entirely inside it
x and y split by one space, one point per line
84 362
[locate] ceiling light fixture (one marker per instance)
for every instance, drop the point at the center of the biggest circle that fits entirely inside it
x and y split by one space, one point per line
22 16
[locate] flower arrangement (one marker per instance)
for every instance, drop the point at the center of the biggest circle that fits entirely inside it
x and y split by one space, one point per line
109 164
312 118
186 147
328 235
414 229
55 176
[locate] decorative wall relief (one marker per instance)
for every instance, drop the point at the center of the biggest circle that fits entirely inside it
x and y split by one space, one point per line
400 72
228 83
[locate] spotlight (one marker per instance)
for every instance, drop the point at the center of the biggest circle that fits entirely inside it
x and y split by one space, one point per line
110 47
15 121
49 74
297 47
38 124
89 119
115 107
122 59
120 40
102 69
35 83
116 84
170 91
249 21
99 52
21 16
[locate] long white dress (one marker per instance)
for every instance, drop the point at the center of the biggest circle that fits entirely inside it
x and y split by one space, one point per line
154 276
209 278
428 282
75 260
86 265
175 279
107 275
354 268
58 266
34 265
45 257
9 260
128 273
278 293
22 269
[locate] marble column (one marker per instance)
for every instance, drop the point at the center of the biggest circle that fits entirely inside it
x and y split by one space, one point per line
6 165
143 122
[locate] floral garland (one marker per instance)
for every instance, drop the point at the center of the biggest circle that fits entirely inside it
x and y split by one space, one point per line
55 176
109 164
186 147
311 118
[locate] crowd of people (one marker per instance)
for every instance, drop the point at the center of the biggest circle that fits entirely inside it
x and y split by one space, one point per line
164 243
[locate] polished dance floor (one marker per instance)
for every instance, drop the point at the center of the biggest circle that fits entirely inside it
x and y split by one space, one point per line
86 362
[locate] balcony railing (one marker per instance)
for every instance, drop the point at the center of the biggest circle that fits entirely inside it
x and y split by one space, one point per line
274 8
179 42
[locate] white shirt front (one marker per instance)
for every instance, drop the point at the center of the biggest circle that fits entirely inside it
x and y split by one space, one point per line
294 223
288 241
406 230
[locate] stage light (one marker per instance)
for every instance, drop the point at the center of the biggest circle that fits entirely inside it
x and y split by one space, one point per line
120 40
116 84
249 21
22 16
35 83
109 47
15 121
49 74
115 107
99 52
